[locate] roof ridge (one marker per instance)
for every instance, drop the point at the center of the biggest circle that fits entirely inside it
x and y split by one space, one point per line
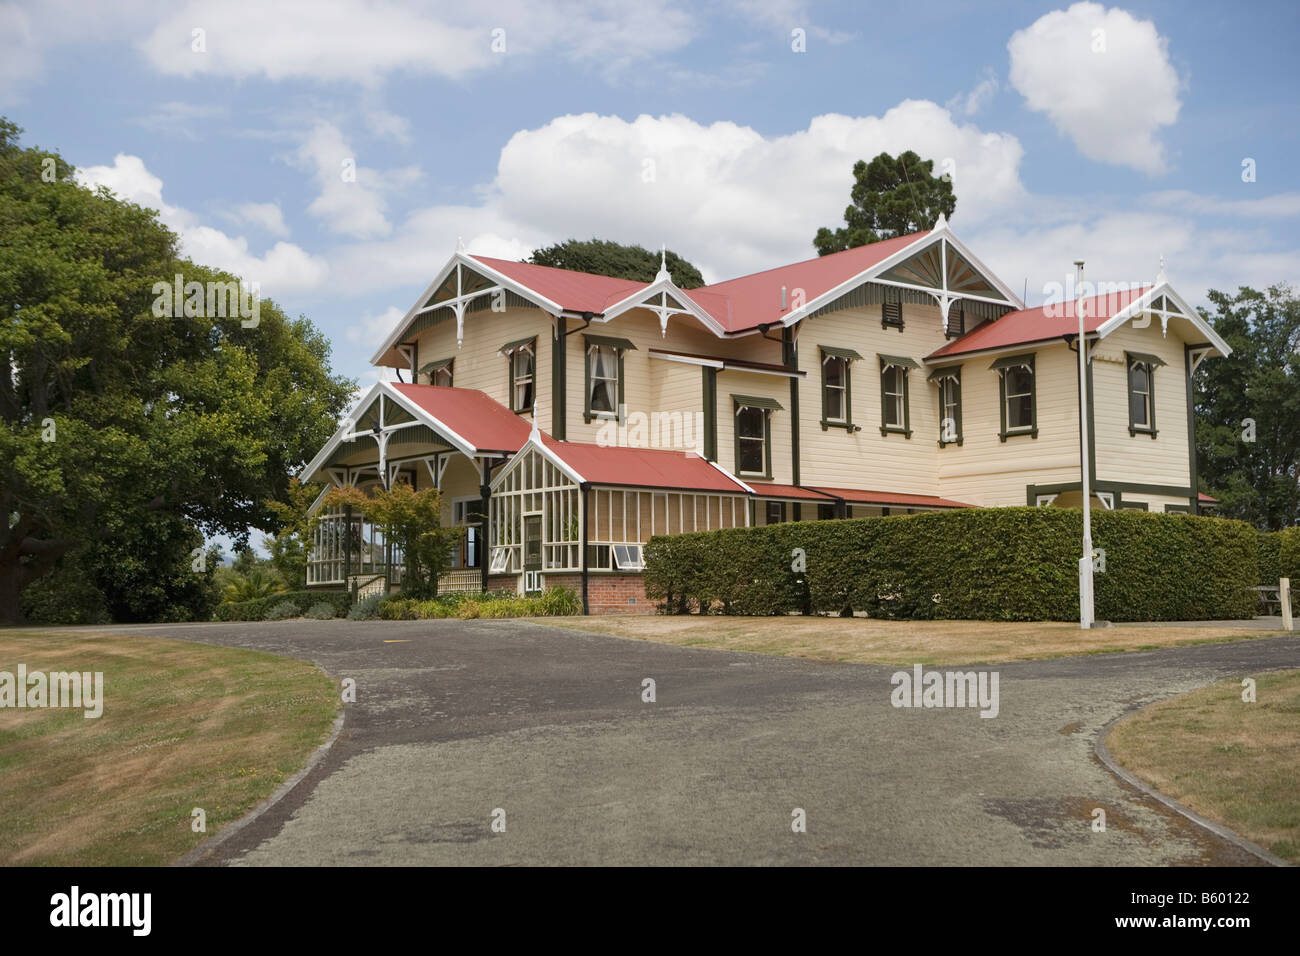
800 262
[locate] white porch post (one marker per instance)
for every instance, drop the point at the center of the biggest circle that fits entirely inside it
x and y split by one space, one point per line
1085 562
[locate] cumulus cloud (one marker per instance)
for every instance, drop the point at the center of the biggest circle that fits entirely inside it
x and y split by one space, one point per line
371 329
351 200
970 103
284 267
1103 78
266 216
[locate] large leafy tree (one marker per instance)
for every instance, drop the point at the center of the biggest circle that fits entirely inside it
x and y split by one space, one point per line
1248 407
892 196
604 258
124 436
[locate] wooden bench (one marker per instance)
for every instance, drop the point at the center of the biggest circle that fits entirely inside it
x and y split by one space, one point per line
1270 596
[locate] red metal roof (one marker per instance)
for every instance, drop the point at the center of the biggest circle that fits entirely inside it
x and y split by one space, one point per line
766 489
642 467
1202 496
578 291
473 415
737 304
1038 324
890 498
752 300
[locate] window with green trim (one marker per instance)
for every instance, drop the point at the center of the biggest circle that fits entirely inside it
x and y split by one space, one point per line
837 392
950 407
604 376
895 411
753 435
1017 396
1142 394
521 366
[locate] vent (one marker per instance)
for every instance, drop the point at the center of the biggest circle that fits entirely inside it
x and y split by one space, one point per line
891 315
956 322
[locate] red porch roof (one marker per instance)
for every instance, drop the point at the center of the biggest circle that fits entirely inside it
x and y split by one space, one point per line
1038 324
890 499
475 416
642 467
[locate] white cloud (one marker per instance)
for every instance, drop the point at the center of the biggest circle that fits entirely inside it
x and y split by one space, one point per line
977 98
351 200
371 329
364 41
284 267
184 120
1277 206
386 125
1103 78
266 216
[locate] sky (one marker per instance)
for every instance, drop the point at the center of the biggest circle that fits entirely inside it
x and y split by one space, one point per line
335 151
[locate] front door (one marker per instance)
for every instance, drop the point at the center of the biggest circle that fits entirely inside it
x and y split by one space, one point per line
532 553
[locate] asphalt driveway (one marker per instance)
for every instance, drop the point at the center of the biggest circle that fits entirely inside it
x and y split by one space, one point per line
455 720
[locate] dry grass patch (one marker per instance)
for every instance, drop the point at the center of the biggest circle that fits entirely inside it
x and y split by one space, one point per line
184 725
1230 761
870 641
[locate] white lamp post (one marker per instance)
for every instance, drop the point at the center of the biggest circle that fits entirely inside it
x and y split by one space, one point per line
1085 562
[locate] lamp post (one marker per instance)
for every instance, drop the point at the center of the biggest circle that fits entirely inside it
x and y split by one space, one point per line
1085 562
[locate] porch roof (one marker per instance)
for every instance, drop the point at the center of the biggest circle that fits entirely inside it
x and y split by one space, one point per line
475 416
643 468
890 499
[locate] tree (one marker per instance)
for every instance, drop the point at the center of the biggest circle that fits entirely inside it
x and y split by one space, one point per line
892 196
289 545
604 258
1248 408
411 520
121 429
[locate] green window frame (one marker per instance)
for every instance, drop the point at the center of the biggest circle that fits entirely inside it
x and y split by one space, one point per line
949 395
751 411
837 359
1140 372
441 369
601 355
1178 509
1017 365
894 371
521 371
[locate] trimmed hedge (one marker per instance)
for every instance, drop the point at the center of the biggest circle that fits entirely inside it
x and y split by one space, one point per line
1288 556
551 602
303 601
1010 564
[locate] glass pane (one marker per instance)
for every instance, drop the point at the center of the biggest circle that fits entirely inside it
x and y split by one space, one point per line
835 404
749 423
1019 412
1019 381
1137 404
893 415
602 396
835 371
751 455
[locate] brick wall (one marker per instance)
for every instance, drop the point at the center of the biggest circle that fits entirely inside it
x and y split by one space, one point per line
607 593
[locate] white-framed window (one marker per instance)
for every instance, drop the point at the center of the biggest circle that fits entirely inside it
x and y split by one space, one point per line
895 400
835 383
521 375
441 376
629 557
751 440
603 371
500 561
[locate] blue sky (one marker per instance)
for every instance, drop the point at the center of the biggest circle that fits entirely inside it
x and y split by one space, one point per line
1116 146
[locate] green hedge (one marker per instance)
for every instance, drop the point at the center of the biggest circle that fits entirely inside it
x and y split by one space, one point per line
551 602
258 609
1288 556
1014 564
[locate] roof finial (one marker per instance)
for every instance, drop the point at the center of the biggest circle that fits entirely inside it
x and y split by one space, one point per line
940 223
663 264
1160 276
535 432
460 243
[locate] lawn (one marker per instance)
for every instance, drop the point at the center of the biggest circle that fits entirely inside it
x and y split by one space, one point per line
184 725
1232 762
869 641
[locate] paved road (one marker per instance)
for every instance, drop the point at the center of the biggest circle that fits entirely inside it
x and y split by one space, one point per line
549 726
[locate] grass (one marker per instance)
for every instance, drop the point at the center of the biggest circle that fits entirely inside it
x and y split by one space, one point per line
1232 762
869 641
184 725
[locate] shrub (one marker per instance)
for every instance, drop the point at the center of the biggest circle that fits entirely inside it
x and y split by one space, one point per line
367 609
321 611
1288 556
301 600
981 564
552 602
282 611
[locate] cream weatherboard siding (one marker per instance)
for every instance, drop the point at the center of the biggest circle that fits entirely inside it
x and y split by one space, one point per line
866 459
986 471
1139 458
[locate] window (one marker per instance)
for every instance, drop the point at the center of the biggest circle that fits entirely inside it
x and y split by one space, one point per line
837 396
891 315
956 321
825 512
522 359
628 557
1016 391
598 557
500 561
604 374
439 372
753 434
1142 393
465 512
775 512
949 382
895 416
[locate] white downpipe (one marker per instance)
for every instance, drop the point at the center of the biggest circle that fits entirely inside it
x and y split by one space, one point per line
1085 562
